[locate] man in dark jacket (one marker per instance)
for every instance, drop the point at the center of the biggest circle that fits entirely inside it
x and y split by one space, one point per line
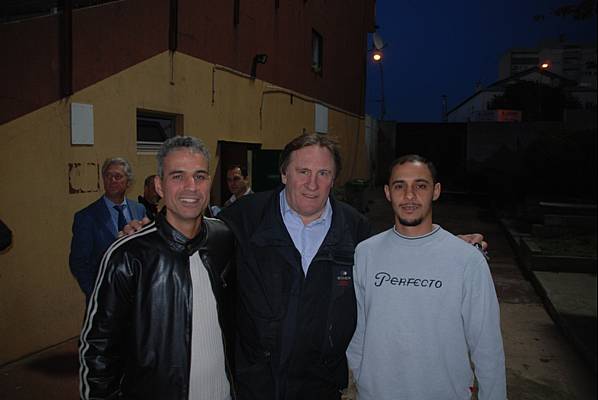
296 312
158 324
150 197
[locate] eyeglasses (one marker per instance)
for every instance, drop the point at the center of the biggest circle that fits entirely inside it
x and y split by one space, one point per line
116 177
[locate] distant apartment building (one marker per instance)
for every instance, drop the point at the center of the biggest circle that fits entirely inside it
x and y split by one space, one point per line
576 62
571 67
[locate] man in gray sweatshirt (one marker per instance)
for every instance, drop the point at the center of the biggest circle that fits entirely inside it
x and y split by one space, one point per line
428 317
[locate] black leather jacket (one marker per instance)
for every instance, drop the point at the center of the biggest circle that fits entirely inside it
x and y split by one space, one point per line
135 342
293 330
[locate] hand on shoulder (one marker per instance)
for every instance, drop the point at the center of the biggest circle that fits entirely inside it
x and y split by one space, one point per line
133 226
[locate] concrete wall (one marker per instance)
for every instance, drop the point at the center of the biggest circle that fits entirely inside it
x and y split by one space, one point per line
443 143
509 161
487 142
41 303
386 149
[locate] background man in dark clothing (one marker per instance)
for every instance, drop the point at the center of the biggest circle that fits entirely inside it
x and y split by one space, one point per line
237 182
150 197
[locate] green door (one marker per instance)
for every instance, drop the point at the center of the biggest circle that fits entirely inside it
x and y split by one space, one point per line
265 174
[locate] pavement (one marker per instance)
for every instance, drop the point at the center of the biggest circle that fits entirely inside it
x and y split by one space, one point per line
541 361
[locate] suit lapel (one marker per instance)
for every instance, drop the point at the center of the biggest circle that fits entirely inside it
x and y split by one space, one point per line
102 216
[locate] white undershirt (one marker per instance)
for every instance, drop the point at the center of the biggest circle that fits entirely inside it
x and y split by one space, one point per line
207 380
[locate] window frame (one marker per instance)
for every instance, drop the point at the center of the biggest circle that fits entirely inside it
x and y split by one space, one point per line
152 146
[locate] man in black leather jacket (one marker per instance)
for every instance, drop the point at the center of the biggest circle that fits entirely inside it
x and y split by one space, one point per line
159 323
297 311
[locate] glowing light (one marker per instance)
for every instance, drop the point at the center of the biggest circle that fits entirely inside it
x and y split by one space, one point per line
377 56
545 65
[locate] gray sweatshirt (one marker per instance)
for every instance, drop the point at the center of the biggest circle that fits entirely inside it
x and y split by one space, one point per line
426 306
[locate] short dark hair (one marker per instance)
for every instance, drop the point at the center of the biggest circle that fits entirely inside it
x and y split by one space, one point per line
241 167
193 144
311 139
149 180
415 158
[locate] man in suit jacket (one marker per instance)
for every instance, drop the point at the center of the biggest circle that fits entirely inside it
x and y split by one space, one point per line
150 197
96 226
238 183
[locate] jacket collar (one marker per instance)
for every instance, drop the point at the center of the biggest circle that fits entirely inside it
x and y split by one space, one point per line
176 240
269 231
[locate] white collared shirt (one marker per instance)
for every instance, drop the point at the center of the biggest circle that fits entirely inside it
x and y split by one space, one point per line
306 238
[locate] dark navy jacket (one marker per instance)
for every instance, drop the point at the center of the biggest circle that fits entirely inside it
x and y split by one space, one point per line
293 330
93 233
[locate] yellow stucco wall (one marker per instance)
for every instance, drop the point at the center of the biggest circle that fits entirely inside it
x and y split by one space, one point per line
40 302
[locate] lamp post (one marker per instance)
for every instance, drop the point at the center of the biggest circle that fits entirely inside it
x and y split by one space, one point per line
377 58
377 55
545 66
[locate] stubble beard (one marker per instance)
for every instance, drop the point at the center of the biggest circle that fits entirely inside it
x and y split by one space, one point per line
410 222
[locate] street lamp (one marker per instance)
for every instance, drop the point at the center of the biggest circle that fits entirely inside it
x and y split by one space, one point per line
377 57
545 66
257 59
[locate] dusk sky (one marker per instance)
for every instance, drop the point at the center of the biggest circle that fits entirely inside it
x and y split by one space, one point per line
445 47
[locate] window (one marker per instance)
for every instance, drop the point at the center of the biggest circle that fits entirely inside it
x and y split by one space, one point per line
316 52
153 128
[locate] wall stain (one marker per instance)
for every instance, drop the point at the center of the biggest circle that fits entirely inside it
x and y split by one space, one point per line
84 177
